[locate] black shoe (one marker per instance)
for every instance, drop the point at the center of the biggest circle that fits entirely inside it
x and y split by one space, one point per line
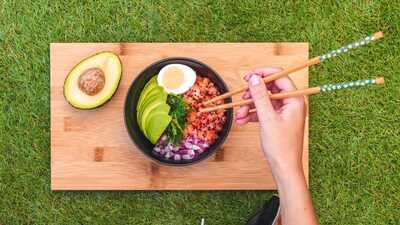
268 215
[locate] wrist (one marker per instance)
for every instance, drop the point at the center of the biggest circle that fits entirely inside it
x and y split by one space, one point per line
286 169
289 178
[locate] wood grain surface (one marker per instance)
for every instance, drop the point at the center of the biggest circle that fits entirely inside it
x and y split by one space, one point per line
91 150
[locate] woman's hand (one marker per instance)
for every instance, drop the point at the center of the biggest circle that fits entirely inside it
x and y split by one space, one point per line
281 134
281 121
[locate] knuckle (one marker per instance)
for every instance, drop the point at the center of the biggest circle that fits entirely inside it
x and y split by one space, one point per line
259 95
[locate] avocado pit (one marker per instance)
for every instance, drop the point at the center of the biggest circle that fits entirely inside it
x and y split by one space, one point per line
92 81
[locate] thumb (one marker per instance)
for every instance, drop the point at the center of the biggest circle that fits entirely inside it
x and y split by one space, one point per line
258 90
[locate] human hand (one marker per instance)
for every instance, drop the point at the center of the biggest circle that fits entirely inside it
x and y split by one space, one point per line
281 121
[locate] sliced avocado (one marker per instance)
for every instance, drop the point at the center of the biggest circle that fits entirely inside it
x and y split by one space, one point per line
93 81
154 91
152 81
160 97
150 85
156 124
152 105
155 107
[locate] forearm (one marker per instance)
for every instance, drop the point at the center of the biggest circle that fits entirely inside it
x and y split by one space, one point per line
295 199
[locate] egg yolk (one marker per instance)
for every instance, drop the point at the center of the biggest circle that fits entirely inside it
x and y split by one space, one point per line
173 78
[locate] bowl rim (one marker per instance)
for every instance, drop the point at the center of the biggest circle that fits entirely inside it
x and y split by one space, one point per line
229 111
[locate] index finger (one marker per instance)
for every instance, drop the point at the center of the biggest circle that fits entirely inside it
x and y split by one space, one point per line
263 72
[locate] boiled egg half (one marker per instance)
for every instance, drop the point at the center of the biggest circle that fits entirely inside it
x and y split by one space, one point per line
176 78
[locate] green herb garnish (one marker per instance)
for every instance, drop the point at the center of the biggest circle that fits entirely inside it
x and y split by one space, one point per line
179 110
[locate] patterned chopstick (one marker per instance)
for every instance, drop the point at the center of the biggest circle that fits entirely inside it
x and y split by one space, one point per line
344 85
310 62
351 84
350 46
307 91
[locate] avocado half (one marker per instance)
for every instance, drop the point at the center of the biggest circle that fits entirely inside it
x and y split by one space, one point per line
93 81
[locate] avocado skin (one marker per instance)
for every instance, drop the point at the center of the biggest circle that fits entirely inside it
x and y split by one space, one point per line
119 81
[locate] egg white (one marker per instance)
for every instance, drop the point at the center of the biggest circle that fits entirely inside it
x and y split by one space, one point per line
189 78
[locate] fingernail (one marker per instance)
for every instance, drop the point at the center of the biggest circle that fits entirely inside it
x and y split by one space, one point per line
254 80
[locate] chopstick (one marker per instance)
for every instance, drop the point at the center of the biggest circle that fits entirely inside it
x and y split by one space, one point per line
307 91
310 62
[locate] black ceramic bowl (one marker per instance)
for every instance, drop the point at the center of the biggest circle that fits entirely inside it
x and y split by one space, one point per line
133 96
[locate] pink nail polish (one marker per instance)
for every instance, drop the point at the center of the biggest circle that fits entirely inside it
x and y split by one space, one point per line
254 80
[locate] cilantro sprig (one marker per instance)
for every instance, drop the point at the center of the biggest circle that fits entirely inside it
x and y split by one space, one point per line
179 110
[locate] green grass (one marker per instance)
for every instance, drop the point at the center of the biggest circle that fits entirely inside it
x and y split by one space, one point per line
354 134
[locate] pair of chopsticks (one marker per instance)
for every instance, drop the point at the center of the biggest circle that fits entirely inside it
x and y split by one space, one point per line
308 91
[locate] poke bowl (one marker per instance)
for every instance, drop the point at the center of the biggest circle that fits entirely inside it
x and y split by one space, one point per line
161 112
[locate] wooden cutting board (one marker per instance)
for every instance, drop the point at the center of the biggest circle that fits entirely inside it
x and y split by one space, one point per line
91 150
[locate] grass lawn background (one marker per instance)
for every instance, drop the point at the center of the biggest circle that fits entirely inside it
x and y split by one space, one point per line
354 134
